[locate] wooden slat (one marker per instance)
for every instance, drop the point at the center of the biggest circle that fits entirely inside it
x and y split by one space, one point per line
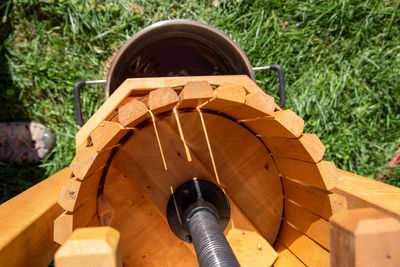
364 237
307 148
362 192
26 223
321 203
133 113
322 174
225 97
286 258
147 240
94 246
147 166
283 123
194 94
309 252
163 99
107 135
256 105
262 102
250 248
243 165
313 226
67 222
75 193
88 160
146 85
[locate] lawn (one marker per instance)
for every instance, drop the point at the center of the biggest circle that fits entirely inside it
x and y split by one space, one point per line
342 62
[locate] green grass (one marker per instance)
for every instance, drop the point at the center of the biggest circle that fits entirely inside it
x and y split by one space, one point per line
341 59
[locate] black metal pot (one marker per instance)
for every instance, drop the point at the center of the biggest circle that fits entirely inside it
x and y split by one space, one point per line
175 48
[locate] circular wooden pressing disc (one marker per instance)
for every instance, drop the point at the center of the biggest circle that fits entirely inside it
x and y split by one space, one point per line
227 155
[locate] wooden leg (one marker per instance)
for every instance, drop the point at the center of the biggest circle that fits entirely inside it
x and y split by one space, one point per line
92 246
364 237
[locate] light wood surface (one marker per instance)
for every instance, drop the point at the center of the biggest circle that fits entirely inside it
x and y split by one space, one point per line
146 237
250 248
286 257
93 246
226 97
163 99
308 223
147 85
261 102
361 192
74 193
283 123
194 94
132 113
309 252
364 237
87 161
307 148
243 165
26 223
249 178
67 222
107 135
319 202
322 174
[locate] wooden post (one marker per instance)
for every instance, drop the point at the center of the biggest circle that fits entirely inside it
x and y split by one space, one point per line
364 237
92 246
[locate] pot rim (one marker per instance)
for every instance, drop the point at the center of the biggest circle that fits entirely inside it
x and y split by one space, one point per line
165 23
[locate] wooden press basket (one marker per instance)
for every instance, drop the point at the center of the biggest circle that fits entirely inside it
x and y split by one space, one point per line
154 134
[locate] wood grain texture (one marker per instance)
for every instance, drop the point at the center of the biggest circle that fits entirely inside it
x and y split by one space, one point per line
194 94
308 223
307 148
243 166
87 161
146 85
93 246
74 193
286 257
309 252
319 202
67 222
249 178
26 236
256 105
322 174
262 102
364 237
105 210
146 238
107 135
251 249
163 99
133 113
226 97
362 192
283 123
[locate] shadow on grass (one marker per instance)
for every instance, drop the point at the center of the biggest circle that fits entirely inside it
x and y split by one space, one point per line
14 178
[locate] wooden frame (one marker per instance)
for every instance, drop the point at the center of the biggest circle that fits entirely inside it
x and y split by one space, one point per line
311 194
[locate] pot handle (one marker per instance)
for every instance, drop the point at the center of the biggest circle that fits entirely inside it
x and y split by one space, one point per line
281 81
77 98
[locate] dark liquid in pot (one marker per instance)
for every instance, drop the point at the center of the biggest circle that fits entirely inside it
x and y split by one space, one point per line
174 56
